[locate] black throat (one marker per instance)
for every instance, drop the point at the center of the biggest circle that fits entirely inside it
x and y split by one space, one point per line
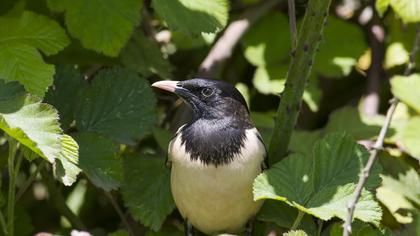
215 141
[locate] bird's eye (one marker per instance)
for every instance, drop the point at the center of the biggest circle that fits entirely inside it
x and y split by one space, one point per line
207 92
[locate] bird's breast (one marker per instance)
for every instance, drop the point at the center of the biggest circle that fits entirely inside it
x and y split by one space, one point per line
217 198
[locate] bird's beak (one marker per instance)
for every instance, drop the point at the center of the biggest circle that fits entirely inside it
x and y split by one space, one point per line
167 85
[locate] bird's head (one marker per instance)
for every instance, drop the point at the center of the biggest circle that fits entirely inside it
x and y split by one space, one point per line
209 99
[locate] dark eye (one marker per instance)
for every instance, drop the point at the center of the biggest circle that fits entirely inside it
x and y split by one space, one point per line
207 92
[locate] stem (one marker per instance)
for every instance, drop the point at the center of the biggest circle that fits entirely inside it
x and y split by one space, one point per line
59 201
302 59
29 181
120 213
297 220
378 145
320 223
292 23
3 224
12 186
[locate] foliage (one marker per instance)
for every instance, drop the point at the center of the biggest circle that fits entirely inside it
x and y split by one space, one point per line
83 137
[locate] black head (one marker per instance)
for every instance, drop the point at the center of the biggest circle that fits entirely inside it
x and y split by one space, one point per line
209 99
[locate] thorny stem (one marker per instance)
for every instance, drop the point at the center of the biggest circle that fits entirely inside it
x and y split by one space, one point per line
302 59
59 201
292 23
378 144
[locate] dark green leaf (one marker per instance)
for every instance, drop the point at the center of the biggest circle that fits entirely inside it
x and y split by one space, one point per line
118 104
146 190
284 215
102 25
193 16
99 160
64 94
144 56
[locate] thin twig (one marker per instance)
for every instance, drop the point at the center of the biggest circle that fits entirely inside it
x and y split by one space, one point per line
376 39
223 48
59 201
378 145
29 181
120 212
292 23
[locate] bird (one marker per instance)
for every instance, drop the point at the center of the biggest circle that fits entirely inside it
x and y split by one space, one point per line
215 158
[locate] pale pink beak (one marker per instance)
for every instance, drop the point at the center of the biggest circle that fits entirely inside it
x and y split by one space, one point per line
167 85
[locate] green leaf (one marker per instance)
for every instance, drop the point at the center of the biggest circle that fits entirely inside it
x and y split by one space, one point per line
323 185
407 183
408 10
23 63
12 95
381 6
268 41
396 55
270 80
295 233
411 137
35 125
344 43
67 84
193 16
99 160
351 121
406 89
66 166
284 215
149 203
126 114
33 30
304 141
102 25
144 56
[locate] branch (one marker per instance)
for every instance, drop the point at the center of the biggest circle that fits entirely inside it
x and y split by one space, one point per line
120 213
299 71
59 201
378 144
223 48
292 23
376 35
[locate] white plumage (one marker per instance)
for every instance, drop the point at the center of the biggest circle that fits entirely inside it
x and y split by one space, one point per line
217 199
